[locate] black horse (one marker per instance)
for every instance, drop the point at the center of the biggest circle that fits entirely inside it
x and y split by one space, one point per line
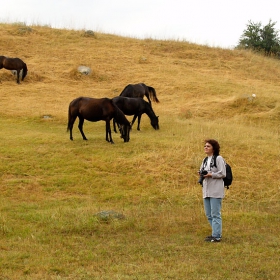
136 107
14 64
93 109
140 90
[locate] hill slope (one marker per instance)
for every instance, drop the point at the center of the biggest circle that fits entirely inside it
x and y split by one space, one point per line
52 187
187 77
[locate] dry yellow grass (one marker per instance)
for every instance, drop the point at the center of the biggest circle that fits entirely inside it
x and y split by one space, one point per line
52 187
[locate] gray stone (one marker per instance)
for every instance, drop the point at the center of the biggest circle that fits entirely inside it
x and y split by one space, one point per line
109 215
84 70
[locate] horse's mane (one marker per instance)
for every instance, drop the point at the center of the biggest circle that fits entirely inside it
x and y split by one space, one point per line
119 115
149 110
125 89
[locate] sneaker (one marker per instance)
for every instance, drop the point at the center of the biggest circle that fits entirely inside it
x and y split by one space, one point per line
208 238
212 239
215 239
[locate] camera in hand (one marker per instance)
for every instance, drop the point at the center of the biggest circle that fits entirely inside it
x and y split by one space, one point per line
201 176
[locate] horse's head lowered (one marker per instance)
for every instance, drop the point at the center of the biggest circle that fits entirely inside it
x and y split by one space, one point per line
154 123
125 131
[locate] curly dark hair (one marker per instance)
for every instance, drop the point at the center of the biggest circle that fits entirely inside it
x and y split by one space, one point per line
215 144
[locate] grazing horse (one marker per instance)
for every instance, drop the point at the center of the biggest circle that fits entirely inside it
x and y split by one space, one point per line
136 107
93 109
140 90
14 64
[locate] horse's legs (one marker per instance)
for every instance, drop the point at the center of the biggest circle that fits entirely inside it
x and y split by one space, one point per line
139 120
70 127
71 121
114 125
18 71
71 136
80 126
133 120
108 132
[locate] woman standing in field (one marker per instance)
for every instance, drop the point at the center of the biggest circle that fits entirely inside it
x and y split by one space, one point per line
212 170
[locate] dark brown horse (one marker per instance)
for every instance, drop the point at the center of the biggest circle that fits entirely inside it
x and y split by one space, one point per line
140 90
93 109
136 107
14 64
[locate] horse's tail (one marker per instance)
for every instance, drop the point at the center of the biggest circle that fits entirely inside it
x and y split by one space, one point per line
70 115
152 94
1 61
24 71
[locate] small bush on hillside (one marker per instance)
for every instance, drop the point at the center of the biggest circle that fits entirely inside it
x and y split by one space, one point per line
89 33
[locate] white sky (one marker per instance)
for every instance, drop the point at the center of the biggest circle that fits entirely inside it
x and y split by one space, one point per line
217 23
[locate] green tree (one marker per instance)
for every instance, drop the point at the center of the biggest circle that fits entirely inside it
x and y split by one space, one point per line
260 38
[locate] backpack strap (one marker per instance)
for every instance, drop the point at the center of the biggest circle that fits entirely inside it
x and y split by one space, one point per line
204 163
215 160
212 163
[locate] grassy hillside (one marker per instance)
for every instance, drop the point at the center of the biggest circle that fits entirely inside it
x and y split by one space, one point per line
52 188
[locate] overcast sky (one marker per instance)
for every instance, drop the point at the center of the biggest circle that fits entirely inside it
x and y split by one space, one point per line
216 23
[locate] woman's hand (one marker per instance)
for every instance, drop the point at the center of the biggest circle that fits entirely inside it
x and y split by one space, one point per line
209 174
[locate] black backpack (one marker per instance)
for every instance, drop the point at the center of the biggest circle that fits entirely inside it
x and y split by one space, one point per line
228 179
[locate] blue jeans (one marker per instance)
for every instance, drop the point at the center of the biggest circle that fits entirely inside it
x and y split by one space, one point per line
212 207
